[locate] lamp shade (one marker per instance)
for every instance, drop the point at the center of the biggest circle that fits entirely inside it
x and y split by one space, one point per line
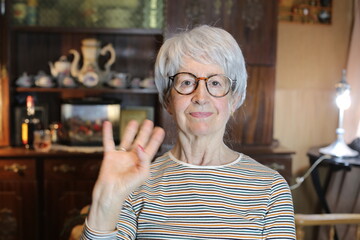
343 101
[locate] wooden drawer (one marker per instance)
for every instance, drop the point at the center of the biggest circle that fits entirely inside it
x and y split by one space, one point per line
77 169
17 169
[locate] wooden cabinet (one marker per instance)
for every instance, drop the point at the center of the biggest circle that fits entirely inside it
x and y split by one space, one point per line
42 193
252 23
30 48
18 199
136 50
68 185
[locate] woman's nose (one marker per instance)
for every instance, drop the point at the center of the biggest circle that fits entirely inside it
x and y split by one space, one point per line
201 94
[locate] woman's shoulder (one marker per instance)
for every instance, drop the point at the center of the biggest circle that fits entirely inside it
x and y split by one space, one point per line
248 163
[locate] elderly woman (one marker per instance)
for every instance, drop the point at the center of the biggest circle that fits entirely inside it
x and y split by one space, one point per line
201 189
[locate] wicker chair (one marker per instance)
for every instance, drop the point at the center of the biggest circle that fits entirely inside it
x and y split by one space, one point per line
303 220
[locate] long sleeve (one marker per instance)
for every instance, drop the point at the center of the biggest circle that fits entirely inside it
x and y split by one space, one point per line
89 233
279 220
126 227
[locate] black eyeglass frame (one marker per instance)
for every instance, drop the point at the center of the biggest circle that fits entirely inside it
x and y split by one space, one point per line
197 79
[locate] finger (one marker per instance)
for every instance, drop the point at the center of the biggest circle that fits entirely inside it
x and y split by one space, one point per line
156 139
108 140
144 133
144 158
129 134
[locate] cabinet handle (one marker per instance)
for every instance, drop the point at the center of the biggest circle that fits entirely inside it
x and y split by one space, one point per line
15 168
64 168
275 166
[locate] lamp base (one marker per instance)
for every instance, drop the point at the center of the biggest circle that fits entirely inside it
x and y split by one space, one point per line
339 149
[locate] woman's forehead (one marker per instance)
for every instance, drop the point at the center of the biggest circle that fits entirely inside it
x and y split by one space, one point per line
199 67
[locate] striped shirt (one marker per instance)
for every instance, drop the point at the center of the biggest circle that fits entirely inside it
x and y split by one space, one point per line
240 200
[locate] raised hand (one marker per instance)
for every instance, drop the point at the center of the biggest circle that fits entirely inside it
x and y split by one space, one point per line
123 170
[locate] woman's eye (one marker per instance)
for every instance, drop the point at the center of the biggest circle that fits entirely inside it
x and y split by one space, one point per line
187 83
215 84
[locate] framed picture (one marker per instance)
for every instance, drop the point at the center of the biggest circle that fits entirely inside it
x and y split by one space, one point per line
138 113
82 122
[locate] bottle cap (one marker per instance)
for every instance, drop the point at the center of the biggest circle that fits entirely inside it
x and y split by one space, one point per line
30 105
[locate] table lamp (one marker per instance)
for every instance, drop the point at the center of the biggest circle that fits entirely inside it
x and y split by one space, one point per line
339 148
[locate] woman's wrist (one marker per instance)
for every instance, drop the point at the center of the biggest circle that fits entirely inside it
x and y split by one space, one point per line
105 209
102 220
91 229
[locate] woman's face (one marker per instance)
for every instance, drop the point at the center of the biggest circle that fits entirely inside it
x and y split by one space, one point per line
200 114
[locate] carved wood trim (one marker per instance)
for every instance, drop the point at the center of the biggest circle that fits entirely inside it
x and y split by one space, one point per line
8 224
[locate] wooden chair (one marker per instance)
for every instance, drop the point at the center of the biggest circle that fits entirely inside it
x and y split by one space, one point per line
303 220
77 230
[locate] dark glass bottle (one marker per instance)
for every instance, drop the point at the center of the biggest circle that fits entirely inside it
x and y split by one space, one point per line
29 124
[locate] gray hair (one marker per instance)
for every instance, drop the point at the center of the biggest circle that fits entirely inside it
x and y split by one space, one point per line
205 44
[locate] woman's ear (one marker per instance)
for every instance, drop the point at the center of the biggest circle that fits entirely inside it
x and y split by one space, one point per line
167 102
168 110
168 107
234 102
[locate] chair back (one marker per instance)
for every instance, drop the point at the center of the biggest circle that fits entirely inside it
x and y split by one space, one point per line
331 220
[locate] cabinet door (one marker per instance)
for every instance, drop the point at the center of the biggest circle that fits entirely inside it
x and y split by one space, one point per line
68 186
252 23
18 199
252 124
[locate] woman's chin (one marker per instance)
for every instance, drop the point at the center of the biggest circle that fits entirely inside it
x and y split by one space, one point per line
202 130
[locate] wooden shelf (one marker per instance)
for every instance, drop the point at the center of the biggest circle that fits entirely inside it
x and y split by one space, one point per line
303 13
89 90
127 31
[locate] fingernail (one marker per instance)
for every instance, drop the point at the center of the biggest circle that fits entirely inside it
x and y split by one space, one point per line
141 148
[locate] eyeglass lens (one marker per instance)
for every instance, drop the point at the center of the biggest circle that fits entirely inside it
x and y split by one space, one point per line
217 85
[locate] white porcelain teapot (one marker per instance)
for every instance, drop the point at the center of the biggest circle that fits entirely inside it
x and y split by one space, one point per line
90 74
62 66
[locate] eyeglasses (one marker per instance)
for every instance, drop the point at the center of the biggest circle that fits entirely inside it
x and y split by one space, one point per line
217 85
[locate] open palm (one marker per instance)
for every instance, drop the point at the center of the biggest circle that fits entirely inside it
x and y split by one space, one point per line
122 171
128 169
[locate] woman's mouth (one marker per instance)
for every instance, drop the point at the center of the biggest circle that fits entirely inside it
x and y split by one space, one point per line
200 114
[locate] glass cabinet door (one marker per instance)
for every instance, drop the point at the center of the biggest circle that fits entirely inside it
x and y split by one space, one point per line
88 13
